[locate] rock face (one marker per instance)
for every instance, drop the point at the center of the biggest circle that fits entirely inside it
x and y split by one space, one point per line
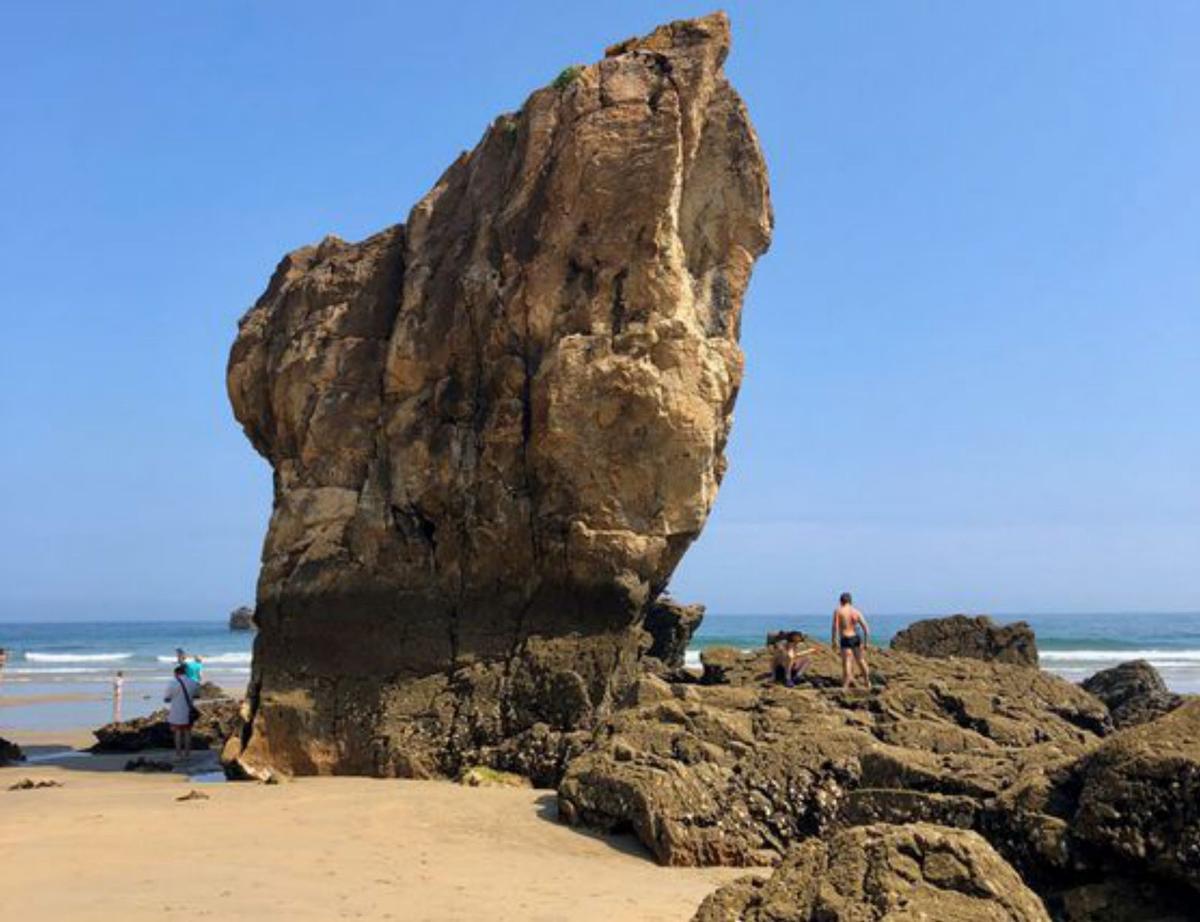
1139 798
671 627
9 752
218 721
1134 692
975 637
496 428
241 619
876 873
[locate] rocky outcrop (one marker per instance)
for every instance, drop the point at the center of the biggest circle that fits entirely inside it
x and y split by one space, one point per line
241 619
877 873
739 772
10 752
1139 798
1134 692
671 626
218 721
209 691
974 637
496 428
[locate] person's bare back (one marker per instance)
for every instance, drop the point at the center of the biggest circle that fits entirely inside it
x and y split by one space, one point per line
847 622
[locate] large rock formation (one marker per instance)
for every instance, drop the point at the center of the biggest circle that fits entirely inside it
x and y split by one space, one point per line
975 637
878 873
496 428
1134 692
10 752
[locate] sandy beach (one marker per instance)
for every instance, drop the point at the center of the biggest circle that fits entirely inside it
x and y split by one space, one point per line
113 844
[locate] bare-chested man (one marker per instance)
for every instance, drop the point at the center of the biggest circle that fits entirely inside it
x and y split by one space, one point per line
847 620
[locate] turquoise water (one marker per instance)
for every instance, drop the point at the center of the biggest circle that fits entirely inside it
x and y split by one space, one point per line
81 658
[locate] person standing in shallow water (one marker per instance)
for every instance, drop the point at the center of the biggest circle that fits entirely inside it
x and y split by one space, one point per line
118 689
847 622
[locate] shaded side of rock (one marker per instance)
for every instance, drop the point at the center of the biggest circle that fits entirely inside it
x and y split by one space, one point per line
10 752
976 637
671 626
218 721
1134 693
496 429
241 619
1139 799
878 872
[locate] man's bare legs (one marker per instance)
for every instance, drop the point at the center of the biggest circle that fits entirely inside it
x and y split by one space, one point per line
860 660
846 675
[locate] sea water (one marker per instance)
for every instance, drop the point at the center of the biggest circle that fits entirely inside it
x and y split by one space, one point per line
70 667
62 663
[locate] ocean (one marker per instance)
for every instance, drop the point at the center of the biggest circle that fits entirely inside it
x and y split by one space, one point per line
59 676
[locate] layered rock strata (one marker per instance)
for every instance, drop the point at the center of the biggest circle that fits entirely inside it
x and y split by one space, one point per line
496 428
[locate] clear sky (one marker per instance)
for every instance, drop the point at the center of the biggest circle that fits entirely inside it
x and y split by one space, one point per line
973 351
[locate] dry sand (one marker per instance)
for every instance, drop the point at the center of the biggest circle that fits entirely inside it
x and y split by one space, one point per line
112 845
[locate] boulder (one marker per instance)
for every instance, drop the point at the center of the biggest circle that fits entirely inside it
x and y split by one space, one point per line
218 721
882 872
241 619
210 690
10 752
1139 798
974 637
495 429
1134 692
671 626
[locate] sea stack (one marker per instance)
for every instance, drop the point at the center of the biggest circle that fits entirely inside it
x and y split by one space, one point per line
496 428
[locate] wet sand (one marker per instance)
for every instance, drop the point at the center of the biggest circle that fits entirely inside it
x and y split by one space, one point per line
111 844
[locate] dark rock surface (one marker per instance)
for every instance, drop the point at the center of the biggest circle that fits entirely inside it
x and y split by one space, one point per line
882 872
1134 692
975 637
1139 798
9 752
218 721
496 429
241 619
671 626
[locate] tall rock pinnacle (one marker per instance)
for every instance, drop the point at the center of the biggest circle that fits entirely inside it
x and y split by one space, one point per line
496 428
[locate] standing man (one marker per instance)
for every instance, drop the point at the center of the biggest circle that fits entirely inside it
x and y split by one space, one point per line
118 688
847 620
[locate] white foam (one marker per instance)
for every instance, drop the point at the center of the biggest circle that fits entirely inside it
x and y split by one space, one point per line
1120 656
76 657
215 658
691 658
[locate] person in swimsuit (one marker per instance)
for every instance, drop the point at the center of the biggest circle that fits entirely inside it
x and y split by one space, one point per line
847 620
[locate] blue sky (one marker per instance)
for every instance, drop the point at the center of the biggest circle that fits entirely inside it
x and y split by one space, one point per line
973 351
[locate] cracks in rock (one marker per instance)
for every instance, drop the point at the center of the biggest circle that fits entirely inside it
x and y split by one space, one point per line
619 306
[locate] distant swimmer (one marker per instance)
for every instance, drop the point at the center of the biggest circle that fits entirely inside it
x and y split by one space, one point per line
847 622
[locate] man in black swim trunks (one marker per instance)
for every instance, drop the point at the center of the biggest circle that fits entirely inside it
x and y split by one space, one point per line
846 623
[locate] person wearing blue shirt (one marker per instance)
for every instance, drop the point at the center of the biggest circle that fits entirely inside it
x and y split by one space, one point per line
193 667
